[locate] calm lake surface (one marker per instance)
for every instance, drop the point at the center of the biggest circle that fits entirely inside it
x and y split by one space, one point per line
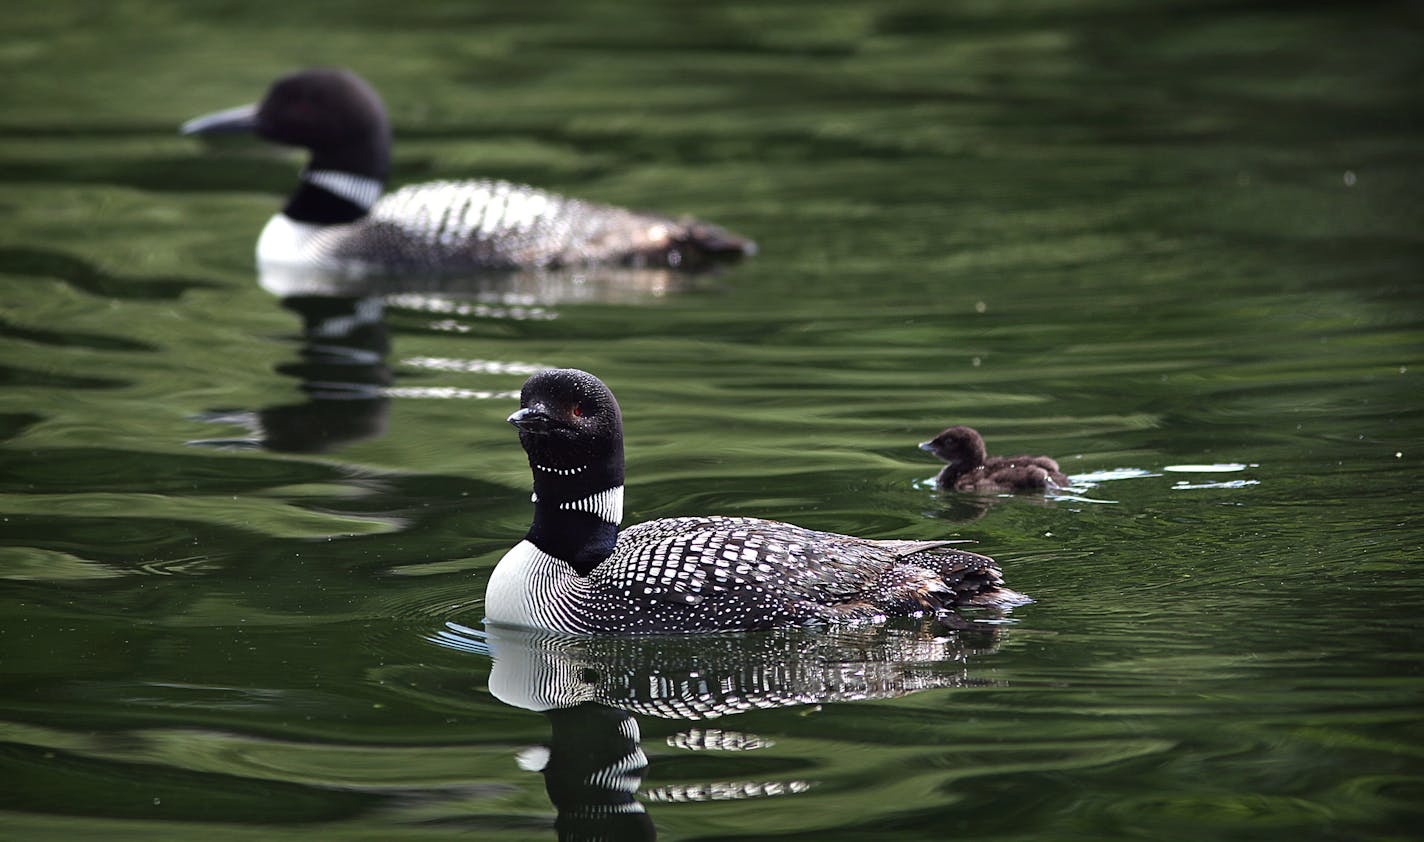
1176 245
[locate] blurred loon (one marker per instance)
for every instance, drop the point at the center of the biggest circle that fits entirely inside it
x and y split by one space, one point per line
574 572
337 219
971 468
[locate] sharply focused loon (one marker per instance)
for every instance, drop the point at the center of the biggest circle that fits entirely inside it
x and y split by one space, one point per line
574 571
338 220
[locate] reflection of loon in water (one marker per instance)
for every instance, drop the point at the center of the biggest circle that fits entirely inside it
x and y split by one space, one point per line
343 369
343 373
592 768
602 285
590 687
709 676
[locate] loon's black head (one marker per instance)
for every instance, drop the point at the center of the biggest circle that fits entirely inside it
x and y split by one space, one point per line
960 446
572 429
332 112
570 425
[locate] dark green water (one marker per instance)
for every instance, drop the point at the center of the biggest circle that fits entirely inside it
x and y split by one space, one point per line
1134 236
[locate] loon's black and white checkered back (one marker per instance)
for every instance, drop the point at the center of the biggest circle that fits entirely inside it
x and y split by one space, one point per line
747 573
489 224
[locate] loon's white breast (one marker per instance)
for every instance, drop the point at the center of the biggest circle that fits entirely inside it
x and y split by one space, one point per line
289 242
531 589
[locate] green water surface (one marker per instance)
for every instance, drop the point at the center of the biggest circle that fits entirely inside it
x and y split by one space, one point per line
1177 245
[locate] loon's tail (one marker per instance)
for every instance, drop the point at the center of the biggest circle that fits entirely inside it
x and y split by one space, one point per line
714 239
963 578
696 245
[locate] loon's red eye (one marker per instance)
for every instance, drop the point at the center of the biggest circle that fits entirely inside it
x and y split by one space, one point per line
578 410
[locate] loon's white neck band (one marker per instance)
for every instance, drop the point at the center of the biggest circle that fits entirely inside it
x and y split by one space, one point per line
606 505
357 189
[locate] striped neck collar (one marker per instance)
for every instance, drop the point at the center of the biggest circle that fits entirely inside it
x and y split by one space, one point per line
606 505
359 190
581 531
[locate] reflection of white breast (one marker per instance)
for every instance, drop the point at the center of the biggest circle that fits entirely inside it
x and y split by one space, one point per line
531 676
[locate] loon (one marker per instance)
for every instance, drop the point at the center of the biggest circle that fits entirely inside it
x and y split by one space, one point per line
575 572
337 219
971 468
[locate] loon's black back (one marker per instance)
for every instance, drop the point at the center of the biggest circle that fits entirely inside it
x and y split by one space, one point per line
748 573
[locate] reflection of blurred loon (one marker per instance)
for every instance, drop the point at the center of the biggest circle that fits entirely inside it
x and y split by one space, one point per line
337 217
343 368
343 372
506 288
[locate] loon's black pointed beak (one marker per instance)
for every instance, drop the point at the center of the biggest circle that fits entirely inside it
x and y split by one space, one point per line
242 119
531 419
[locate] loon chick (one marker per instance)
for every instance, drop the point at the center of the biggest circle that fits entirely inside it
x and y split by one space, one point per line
574 572
971 468
337 219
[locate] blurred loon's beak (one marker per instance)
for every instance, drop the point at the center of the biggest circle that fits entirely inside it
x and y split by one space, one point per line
927 446
242 119
530 419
